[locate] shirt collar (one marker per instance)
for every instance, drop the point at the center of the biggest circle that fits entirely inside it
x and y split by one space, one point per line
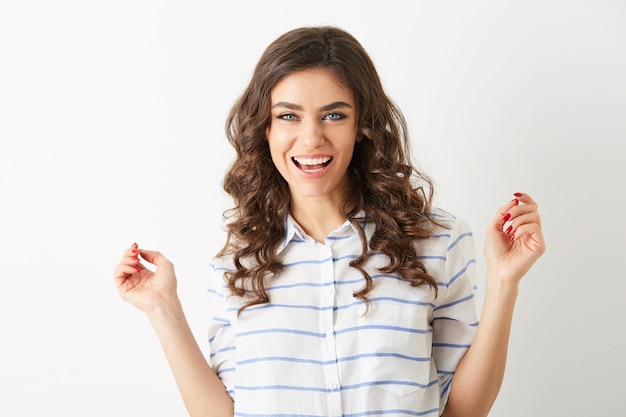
295 233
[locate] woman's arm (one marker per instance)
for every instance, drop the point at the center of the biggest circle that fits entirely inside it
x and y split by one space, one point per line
509 253
155 294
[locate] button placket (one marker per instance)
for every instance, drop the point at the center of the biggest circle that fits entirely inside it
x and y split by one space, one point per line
331 370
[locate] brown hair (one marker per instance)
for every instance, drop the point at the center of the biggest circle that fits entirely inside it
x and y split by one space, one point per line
383 182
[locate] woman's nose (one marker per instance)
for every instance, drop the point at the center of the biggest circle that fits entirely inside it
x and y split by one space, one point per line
311 134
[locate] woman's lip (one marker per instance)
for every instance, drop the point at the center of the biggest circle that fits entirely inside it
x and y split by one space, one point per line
314 170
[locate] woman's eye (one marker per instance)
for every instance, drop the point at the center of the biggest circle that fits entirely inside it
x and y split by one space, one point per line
288 116
334 116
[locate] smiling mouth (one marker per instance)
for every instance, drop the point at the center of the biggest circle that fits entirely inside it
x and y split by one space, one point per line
311 165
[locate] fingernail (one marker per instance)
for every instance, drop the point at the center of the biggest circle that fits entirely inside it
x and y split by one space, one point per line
506 217
135 250
518 194
512 237
508 230
136 268
515 200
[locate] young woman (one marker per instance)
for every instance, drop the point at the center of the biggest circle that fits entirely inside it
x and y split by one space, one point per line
340 289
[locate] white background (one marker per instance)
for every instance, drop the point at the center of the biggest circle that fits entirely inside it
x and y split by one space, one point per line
111 131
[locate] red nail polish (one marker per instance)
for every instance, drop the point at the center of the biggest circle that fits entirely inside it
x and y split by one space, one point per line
512 237
508 230
518 194
136 268
135 250
506 217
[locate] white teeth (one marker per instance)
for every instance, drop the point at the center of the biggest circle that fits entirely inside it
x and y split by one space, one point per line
311 171
312 161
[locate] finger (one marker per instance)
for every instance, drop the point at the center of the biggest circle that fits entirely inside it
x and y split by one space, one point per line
515 224
526 205
123 272
131 259
524 198
132 251
520 205
123 269
532 237
519 211
526 229
156 258
129 263
502 215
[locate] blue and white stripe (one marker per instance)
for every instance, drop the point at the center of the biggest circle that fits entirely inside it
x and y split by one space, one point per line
315 350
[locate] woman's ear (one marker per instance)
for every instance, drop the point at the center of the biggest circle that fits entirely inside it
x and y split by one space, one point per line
359 136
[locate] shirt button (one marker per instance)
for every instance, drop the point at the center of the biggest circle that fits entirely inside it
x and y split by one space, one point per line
334 387
362 309
330 335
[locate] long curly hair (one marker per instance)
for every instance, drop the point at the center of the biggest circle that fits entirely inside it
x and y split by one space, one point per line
383 181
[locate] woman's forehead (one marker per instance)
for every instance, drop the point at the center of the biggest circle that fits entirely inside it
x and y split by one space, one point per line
311 85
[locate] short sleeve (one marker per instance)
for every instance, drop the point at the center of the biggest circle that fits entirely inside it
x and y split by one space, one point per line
220 333
454 316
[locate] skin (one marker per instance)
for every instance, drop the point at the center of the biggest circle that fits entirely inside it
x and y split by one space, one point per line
509 254
308 122
313 117
154 293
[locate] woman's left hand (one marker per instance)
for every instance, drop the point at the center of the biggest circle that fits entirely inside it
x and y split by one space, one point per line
514 240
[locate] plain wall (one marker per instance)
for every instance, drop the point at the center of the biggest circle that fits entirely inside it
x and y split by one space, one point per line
111 131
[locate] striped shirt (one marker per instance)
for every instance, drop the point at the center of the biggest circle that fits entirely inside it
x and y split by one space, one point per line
314 350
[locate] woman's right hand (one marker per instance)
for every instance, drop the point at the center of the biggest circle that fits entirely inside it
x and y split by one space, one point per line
141 287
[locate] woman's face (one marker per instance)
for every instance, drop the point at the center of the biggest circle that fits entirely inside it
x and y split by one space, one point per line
312 134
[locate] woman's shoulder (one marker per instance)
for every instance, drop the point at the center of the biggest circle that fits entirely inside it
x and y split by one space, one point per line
449 234
443 220
223 261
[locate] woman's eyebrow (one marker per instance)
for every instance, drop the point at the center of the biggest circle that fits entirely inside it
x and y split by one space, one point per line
336 105
288 105
331 106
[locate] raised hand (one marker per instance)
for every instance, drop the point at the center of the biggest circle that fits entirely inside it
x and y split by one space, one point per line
139 285
514 240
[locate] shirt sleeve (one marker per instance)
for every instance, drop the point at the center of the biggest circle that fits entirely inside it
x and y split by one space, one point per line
454 317
221 336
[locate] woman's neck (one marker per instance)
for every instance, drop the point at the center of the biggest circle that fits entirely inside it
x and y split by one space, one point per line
318 217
